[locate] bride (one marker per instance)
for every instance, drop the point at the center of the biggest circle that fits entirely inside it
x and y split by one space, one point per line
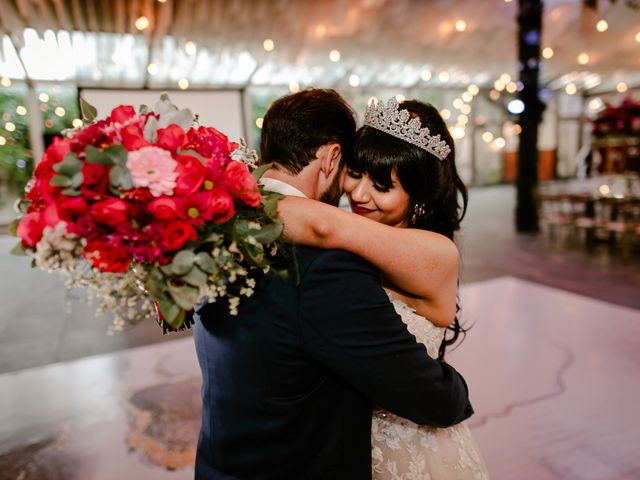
402 175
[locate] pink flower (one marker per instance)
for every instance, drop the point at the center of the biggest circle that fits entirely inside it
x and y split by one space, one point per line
154 168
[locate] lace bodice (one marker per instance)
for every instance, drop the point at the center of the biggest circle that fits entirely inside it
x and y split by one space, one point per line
403 450
424 331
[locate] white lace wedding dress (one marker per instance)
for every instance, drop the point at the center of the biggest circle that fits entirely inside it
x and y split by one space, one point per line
403 450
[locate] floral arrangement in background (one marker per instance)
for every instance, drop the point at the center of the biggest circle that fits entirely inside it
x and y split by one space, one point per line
151 213
621 120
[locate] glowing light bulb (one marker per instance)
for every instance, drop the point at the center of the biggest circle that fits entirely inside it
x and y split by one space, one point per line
499 143
152 68
183 83
445 114
77 123
5 81
505 78
59 111
354 80
425 75
334 55
142 23
583 58
547 52
43 97
465 109
10 127
461 25
259 122
20 110
190 48
487 137
622 87
473 89
268 44
571 89
602 26
400 98
467 96
444 76
294 87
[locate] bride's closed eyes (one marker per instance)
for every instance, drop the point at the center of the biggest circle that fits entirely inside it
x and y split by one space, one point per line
381 188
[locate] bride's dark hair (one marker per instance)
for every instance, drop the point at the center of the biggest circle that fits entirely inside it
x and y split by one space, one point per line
431 183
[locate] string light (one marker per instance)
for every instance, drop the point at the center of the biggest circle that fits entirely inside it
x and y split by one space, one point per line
457 103
467 97
602 26
77 123
473 89
487 137
43 97
400 98
5 81
505 78
622 87
461 25
494 95
3 141
10 127
20 110
466 109
517 129
259 122
444 76
425 75
511 87
294 87
462 119
583 58
445 114
142 23
334 55
354 80
152 68
499 143
268 44
59 111
547 52
571 89
183 83
498 85
457 132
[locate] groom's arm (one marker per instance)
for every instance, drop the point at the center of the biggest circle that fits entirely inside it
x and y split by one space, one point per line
349 326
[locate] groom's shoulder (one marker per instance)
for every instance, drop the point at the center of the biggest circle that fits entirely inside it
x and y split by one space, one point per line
311 260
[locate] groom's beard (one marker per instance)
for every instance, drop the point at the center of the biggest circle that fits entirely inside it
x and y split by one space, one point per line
332 194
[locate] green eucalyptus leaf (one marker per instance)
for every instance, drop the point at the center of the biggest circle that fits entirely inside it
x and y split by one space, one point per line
95 155
71 192
271 204
269 233
89 112
142 109
205 262
18 250
60 181
169 310
195 277
155 283
258 172
184 296
77 180
69 166
255 253
183 262
117 154
13 227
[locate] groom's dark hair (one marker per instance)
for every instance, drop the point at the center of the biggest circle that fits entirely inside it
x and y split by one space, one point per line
296 125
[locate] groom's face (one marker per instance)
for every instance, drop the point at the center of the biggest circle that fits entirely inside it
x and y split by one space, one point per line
333 193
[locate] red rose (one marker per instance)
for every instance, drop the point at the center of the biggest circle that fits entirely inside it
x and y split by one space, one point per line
107 257
95 181
58 149
191 175
253 198
176 234
164 208
93 134
210 143
220 205
51 216
122 113
30 229
133 138
111 211
72 207
171 138
196 208
241 183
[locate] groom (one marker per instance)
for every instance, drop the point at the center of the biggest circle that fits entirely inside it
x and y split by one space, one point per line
289 384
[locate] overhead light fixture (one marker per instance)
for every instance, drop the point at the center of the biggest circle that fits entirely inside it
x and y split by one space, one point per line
142 23
334 55
268 44
602 26
461 25
583 58
547 52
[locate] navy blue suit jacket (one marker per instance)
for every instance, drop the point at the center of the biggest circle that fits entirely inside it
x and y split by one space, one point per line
289 383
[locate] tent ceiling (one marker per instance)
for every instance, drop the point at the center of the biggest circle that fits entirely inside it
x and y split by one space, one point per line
381 42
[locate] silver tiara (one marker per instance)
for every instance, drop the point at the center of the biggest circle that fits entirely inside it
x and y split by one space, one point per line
400 124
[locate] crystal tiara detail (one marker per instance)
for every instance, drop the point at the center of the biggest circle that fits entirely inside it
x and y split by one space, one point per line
399 123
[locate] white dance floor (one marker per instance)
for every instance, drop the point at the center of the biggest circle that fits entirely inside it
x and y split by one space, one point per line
552 376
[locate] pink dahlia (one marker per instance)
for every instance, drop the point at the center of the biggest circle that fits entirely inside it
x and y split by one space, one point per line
154 168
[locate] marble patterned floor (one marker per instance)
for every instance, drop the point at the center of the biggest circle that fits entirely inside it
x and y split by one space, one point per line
553 379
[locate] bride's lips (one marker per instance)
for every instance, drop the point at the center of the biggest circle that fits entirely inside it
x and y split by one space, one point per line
360 210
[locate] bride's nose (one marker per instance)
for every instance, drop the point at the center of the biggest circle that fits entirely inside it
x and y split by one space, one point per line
360 194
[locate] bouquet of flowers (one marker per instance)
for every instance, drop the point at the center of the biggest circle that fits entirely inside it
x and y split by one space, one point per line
151 213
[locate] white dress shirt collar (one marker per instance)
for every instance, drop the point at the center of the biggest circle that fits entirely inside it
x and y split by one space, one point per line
279 186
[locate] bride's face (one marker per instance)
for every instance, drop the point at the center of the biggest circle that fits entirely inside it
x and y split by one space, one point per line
377 202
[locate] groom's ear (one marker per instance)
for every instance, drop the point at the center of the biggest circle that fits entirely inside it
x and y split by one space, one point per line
329 156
